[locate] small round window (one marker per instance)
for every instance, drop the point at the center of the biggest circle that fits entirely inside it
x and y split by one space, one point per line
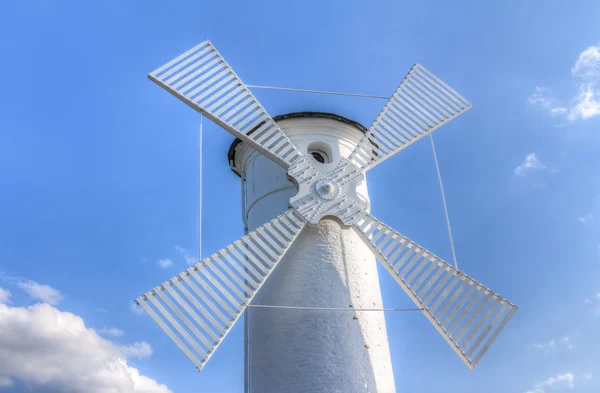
319 156
320 152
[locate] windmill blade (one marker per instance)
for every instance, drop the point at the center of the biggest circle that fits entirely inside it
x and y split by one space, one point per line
467 314
202 79
209 297
419 105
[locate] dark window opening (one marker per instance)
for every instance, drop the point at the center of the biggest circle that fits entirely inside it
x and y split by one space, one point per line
318 157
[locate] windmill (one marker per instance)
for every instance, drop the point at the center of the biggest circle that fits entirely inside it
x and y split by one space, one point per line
198 307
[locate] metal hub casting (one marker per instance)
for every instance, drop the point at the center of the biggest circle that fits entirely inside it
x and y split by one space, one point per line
334 193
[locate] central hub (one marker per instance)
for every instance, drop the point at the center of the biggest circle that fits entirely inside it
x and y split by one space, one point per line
334 193
326 189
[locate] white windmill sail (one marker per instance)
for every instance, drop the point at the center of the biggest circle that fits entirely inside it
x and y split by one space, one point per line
198 307
419 105
202 79
466 313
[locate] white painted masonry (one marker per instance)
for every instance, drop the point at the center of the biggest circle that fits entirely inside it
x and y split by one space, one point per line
304 351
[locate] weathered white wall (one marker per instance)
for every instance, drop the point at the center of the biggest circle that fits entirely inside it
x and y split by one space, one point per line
328 266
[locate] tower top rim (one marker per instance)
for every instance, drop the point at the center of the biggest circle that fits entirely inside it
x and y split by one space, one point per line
296 115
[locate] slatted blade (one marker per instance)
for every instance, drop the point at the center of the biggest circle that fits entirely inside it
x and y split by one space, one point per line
467 314
202 79
198 307
419 105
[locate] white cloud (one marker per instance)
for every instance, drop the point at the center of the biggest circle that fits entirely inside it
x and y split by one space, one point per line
189 259
530 163
53 351
588 64
4 298
560 381
5 382
586 77
543 98
587 102
555 345
114 332
595 302
137 350
165 263
594 211
41 292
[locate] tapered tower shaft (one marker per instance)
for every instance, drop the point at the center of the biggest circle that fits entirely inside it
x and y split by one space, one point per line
295 350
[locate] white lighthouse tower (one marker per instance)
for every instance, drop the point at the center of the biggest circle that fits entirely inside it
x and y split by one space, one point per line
301 350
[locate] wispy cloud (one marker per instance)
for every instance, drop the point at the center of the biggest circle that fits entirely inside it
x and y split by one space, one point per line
5 382
529 164
4 297
555 345
587 376
594 301
114 332
165 263
586 103
587 71
594 211
189 258
566 380
42 292
136 350
544 99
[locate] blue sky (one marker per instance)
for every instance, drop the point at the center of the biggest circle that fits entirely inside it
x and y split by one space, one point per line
99 181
